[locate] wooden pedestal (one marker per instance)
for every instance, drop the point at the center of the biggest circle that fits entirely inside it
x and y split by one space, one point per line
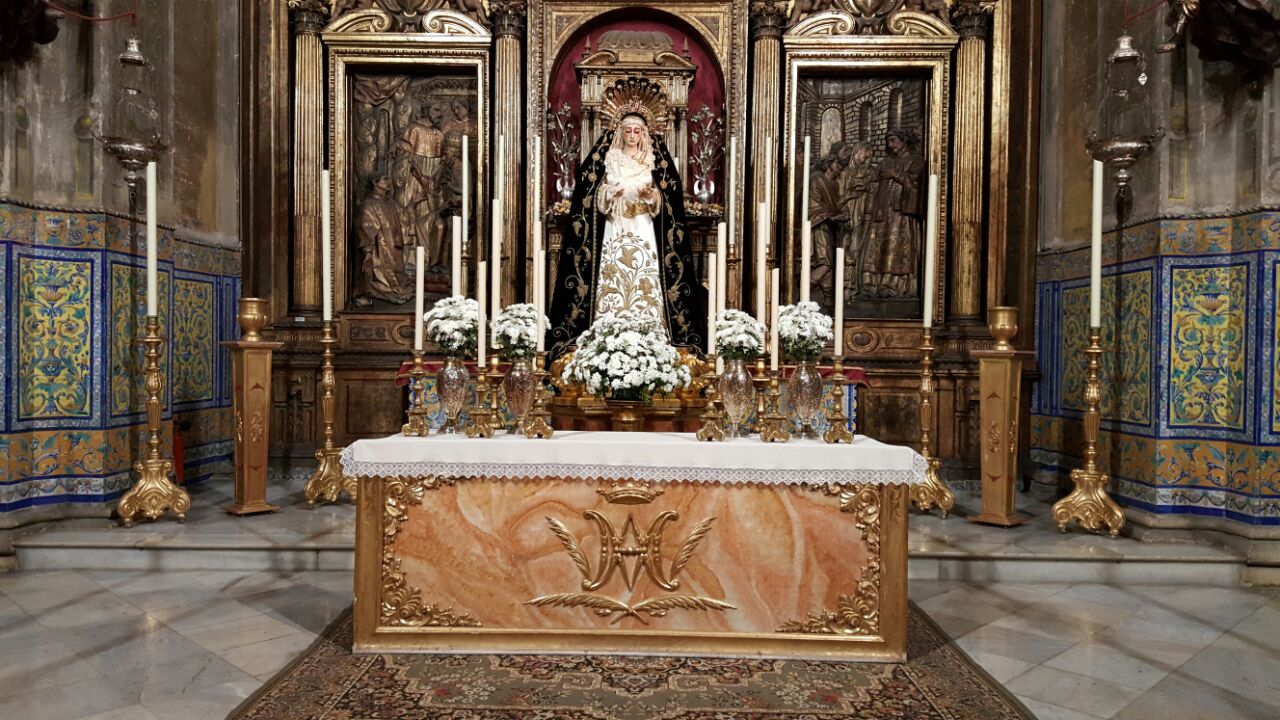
251 399
1000 373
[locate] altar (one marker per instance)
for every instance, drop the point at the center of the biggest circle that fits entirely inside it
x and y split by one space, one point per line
629 542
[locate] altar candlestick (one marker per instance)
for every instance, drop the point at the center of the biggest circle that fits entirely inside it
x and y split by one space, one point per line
838 325
931 251
713 292
767 162
773 326
536 174
153 298
732 185
326 248
540 279
456 260
420 287
762 258
722 260
806 231
466 186
481 281
1095 254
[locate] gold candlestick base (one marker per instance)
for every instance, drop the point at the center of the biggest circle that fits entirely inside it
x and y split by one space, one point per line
774 426
154 494
712 429
479 423
538 421
933 491
417 426
837 421
1089 502
328 482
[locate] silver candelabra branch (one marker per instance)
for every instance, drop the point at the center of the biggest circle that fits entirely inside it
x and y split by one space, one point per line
562 136
706 130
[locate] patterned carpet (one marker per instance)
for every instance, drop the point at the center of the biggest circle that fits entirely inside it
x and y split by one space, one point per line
329 683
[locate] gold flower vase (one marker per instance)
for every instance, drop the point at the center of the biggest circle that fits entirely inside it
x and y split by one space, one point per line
519 386
738 395
452 385
804 389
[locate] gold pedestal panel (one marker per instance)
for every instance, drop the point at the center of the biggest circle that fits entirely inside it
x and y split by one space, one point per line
550 565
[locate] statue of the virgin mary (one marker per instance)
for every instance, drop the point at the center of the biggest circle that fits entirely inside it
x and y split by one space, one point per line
627 247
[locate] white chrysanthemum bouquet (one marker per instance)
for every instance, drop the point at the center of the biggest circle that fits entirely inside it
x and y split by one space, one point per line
803 331
627 356
451 324
739 336
516 331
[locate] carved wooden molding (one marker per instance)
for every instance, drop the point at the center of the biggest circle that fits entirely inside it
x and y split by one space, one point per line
435 22
837 22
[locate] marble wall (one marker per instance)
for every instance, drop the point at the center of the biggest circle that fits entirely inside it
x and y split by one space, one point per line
1191 422
71 262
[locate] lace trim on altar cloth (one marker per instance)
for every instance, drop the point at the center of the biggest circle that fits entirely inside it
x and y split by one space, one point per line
646 473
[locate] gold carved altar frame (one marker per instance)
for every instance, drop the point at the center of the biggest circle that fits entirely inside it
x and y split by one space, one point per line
868 623
365 40
824 45
722 26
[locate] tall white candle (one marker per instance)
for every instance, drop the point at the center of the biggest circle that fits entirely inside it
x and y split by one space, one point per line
1095 253
466 186
806 231
838 325
455 265
326 247
535 245
806 256
731 197
722 261
495 263
713 292
773 325
762 258
930 251
536 174
540 280
420 287
481 281
153 246
767 162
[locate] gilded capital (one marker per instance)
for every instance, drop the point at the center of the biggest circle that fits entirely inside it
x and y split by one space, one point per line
971 18
507 17
308 16
768 18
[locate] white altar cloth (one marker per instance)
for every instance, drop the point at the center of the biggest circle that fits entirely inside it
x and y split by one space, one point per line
645 456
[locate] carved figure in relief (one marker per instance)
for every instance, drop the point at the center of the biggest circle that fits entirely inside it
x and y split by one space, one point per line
828 218
423 141
936 8
627 248
897 215
857 182
380 239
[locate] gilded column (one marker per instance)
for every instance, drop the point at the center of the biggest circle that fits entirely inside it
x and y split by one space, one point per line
508 20
970 18
768 21
309 18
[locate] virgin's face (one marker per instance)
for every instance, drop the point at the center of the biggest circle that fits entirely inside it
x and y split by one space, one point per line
631 135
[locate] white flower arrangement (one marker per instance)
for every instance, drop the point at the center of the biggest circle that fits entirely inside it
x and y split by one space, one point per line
626 355
739 336
803 330
516 331
451 324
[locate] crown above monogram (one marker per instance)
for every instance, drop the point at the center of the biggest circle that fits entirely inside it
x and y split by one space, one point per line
630 492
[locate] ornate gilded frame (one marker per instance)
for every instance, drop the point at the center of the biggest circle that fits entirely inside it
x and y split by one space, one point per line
366 39
722 26
869 623
823 44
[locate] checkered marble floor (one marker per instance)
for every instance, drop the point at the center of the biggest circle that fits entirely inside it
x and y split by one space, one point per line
144 645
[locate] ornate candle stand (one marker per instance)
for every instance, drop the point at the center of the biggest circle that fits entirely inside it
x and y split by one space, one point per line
774 426
495 402
712 429
328 481
1088 502
837 422
932 491
538 423
154 493
479 423
417 426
